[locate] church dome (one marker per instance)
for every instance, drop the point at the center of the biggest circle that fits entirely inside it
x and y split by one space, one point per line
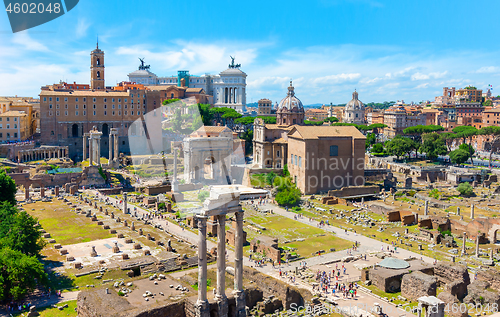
355 103
290 101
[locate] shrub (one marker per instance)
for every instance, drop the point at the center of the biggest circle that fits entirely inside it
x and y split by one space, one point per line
202 195
465 189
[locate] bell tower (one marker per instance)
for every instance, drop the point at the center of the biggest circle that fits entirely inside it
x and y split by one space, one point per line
97 69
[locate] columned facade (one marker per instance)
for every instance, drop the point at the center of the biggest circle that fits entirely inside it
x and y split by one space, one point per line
42 153
219 205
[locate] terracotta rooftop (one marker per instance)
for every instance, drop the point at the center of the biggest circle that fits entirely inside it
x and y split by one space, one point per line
13 114
84 93
280 140
325 131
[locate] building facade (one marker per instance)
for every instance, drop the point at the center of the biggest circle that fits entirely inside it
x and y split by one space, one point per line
228 88
354 110
305 148
14 126
67 113
265 107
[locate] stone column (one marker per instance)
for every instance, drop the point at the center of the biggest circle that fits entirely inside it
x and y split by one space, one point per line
239 294
202 306
91 154
491 254
458 211
477 246
464 251
426 212
27 192
110 156
472 212
115 139
98 150
124 202
220 295
175 185
42 192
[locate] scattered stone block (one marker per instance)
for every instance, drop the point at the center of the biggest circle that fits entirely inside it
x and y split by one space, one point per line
70 258
57 246
77 265
125 256
63 251
112 231
119 236
137 246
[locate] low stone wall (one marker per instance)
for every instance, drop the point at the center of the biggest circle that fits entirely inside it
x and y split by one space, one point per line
354 191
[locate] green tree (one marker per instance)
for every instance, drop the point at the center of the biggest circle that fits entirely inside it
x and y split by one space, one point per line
202 195
19 231
465 189
286 173
432 145
316 123
370 140
206 115
19 274
465 132
399 146
7 188
488 103
270 178
378 148
177 121
288 197
248 137
167 102
377 126
494 133
332 119
459 156
448 139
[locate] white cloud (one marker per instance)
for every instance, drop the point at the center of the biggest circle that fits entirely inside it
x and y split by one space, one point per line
488 70
23 39
82 27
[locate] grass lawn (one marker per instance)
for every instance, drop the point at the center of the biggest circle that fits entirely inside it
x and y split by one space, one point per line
64 225
55 312
286 229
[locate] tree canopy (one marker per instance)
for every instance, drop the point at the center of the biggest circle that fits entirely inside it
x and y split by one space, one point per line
399 146
7 188
459 156
433 145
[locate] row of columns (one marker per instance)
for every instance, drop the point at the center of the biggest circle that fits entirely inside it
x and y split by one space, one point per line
113 143
202 306
41 154
94 141
230 95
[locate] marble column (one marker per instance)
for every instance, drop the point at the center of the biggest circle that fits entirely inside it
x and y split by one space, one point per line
98 150
464 251
458 211
220 295
115 139
426 212
27 192
175 184
477 246
91 154
202 306
110 143
472 212
239 294
125 203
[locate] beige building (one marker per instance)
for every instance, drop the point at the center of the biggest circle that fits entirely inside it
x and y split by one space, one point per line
265 107
29 105
319 158
67 111
398 118
326 157
14 126
316 114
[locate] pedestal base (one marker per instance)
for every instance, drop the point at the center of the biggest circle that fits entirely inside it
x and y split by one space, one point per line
222 306
202 309
177 196
239 297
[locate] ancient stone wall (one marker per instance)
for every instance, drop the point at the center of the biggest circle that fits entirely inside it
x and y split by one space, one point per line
270 286
417 284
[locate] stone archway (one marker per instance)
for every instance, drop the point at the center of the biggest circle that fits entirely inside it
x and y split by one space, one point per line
209 171
493 234
218 150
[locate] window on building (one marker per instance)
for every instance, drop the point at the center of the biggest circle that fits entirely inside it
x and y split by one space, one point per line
57 98
76 106
50 106
131 113
94 113
8 135
119 113
50 98
300 161
119 106
334 150
113 113
105 99
277 153
94 99
76 99
94 106
76 113
15 134
51 132
57 113
84 112
125 112
15 126
84 99
65 106
65 98
112 106
57 106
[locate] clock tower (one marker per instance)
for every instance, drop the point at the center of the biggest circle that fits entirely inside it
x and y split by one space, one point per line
97 69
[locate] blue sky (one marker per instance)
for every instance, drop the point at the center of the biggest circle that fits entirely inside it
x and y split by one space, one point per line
387 50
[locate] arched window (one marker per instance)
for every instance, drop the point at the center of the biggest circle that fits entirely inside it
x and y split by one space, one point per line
98 74
74 130
334 150
172 96
105 130
98 61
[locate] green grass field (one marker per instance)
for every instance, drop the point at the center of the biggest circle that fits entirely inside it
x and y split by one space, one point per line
64 225
55 312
